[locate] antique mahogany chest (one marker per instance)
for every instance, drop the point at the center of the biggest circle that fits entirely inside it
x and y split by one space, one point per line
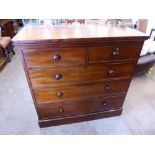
78 73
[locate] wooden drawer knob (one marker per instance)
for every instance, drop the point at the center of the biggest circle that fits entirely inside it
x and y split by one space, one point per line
58 76
59 94
107 88
56 57
104 103
115 52
61 110
111 72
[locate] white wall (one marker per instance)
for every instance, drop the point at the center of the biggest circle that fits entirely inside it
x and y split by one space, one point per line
151 24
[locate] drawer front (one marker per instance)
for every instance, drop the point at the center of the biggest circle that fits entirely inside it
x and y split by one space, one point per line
52 94
55 57
77 74
61 109
111 53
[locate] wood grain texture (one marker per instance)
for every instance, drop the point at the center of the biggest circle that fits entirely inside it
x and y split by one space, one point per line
48 33
82 73
45 57
7 28
45 95
79 118
116 52
60 109
75 73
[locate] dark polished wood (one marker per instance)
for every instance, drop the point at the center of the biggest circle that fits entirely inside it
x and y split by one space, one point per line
114 53
45 95
60 35
79 118
78 73
56 57
67 108
7 27
58 76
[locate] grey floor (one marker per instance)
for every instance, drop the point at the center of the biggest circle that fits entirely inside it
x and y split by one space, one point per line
18 116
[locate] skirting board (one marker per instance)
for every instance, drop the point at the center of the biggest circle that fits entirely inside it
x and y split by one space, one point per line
79 118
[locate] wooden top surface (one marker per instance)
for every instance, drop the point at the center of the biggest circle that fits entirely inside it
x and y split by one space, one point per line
31 34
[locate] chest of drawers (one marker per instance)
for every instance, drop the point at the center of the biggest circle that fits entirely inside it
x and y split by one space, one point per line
78 73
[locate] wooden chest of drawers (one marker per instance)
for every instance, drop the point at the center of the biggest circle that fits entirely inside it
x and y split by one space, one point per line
78 73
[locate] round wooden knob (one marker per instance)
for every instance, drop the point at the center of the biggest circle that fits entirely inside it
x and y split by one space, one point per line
107 88
59 94
115 52
56 57
61 110
104 103
111 72
58 76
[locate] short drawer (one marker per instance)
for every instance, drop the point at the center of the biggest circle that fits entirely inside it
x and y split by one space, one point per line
114 53
54 57
61 109
58 76
52 94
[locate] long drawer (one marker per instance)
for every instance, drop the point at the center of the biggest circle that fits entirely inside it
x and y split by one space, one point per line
60 109
114 53
83 73
60 93
54 57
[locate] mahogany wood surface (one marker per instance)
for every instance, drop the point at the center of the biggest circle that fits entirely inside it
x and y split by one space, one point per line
7 27
78 73
49 33
70 56
79 118
46 57
82 73
67 108
51 94
117 53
